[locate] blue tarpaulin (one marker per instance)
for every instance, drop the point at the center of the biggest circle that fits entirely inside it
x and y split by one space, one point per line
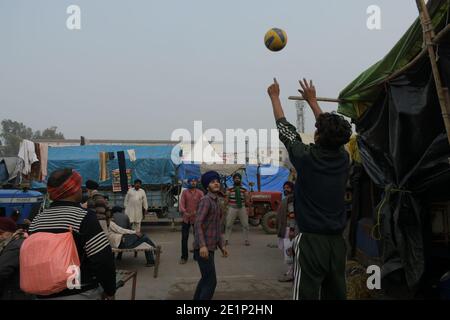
154 165
271 182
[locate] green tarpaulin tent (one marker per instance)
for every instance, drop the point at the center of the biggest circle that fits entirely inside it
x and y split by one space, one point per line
364 90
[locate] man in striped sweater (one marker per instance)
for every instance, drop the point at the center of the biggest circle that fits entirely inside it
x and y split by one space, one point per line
97 261
237 202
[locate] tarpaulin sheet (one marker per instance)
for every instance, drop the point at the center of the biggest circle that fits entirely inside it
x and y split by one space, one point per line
403 145
360 94
271 182
153 166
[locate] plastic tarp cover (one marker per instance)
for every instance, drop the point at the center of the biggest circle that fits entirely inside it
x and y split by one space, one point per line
4 176
223 169
360 93
405 151
12 167
271 182
154 165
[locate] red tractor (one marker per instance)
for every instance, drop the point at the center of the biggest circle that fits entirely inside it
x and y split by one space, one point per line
263 206
263 210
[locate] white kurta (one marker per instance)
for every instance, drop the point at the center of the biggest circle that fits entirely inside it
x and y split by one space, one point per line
135 200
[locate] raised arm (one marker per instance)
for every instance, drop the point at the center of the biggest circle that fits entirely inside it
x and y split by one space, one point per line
274 94
308 91
288 133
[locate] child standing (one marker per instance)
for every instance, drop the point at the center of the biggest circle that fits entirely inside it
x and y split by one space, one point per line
208 236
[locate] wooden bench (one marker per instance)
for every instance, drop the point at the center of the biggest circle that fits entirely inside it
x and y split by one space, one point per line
123 276
156 252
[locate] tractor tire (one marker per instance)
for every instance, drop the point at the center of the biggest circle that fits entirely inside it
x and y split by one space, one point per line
254 222
269 222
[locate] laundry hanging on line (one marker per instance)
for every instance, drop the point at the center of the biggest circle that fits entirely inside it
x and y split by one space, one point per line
132 155
103 156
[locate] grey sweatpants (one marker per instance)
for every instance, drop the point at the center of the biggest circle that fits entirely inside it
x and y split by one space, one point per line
232 214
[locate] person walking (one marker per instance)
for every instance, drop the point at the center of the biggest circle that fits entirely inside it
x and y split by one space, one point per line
135 205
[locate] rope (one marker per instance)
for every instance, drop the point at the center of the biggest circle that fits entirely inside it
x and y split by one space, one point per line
377 227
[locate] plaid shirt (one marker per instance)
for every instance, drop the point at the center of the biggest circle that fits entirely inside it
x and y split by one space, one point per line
207 225
189 204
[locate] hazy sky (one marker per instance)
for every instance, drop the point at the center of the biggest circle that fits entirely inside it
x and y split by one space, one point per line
140 69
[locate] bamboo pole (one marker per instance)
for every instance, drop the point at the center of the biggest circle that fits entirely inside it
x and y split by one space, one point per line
318 99
434 40
441 34
422 54
428 36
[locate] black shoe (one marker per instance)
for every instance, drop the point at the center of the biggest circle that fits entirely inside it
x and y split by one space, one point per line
151 264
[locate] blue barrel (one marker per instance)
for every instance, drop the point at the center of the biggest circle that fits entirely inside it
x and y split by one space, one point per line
20 204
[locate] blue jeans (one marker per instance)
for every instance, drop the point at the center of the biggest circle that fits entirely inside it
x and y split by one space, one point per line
130 241
207 284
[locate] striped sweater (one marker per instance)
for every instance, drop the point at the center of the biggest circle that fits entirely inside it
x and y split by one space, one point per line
94 250
231 194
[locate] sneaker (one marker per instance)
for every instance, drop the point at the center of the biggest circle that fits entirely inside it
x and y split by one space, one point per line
183 261
285 278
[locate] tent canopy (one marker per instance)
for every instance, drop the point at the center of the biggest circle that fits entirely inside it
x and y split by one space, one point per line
361 93
403 143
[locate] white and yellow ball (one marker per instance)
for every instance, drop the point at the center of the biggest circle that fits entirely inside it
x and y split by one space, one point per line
275 39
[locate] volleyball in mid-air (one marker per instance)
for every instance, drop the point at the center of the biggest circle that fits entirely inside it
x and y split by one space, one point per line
275 39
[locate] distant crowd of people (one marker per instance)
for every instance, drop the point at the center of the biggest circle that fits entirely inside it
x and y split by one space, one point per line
311 220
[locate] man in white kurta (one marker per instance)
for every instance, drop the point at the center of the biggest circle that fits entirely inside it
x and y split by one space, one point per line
135 203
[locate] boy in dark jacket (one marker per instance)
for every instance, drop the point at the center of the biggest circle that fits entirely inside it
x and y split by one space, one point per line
320 251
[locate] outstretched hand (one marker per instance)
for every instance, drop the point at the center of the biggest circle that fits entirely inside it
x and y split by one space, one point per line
308 91
274 89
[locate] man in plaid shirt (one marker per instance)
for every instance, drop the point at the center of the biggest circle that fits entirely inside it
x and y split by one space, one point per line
208 236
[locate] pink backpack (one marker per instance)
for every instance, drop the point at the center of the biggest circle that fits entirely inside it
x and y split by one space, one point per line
48 262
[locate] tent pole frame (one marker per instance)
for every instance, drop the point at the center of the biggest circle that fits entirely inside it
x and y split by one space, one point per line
430 40
318 99
429 36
